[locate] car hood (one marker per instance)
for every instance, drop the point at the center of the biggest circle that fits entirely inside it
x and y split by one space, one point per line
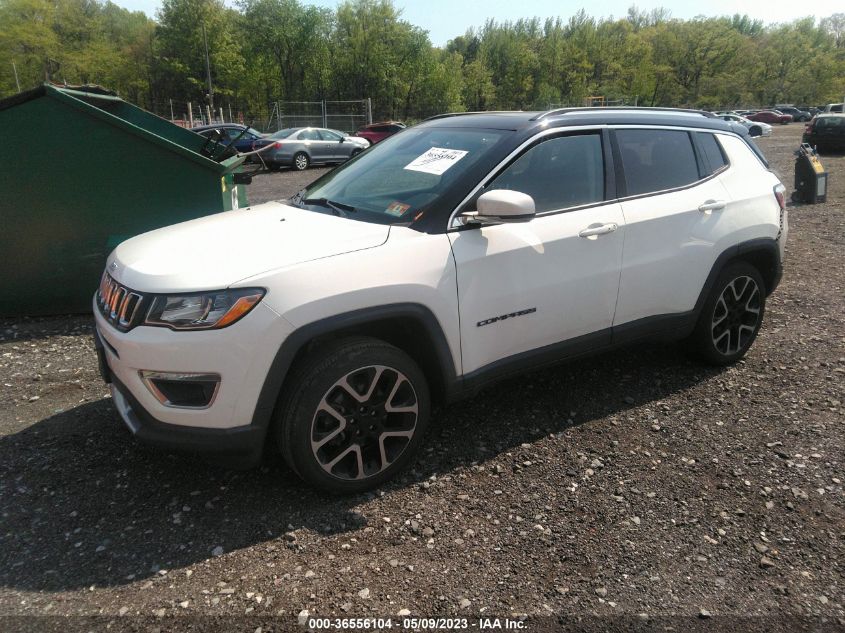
216 251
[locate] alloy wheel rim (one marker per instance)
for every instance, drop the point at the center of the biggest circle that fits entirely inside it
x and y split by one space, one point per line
301 162
736 315
364 422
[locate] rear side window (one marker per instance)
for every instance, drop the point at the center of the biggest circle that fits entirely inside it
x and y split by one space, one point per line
655 160
566 171
712 155
830 122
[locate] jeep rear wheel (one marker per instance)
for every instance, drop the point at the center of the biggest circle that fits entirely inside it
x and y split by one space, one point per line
732 315
353 416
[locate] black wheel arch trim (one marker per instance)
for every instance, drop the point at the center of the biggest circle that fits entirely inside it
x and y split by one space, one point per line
300 337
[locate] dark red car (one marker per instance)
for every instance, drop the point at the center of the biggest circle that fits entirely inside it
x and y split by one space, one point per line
375 132
770 116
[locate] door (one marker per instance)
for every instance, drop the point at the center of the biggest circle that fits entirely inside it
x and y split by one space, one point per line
671 228
336 148
314 145
522 287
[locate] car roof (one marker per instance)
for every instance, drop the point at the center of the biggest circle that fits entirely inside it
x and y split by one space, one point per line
199 128
566 117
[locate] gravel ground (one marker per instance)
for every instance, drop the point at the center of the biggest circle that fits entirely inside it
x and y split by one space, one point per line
277 185
635 489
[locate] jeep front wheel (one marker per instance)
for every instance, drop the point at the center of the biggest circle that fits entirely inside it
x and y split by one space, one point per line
353 416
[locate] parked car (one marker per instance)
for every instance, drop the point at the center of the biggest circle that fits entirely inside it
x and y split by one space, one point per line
238 137
375 132
461 251
797 115
833 107
301 147
755 128
811 109
826 132
770 116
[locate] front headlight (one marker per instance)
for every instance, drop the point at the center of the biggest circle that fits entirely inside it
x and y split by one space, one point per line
203 310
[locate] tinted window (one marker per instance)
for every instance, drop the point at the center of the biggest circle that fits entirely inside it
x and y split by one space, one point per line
283 133
829 122
561 172
655 160
714 158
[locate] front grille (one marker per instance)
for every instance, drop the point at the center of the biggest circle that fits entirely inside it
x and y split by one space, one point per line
119 305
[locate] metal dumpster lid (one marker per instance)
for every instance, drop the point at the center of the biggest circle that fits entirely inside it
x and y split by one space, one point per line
79 97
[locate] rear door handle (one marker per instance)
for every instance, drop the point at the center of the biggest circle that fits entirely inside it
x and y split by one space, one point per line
592 232
712 205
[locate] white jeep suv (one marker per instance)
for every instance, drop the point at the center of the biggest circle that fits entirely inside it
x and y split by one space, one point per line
450 255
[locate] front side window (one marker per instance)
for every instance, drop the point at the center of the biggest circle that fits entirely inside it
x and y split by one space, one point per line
330 135
566 171
656 160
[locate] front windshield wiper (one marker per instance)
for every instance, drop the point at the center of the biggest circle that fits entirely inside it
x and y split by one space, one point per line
339 208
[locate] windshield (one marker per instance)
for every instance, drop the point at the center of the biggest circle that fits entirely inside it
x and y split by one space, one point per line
283 133
403 175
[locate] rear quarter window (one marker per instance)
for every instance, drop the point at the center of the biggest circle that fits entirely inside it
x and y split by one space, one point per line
656 160
712 154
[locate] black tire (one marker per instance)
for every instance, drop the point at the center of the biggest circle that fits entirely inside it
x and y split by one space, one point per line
301 161
755 130
273 166
321 448
355 152
728 325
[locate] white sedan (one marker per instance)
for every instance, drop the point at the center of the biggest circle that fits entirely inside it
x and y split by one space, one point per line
755 128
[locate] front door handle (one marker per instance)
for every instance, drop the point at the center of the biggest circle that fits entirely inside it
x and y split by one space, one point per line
592 232
712 205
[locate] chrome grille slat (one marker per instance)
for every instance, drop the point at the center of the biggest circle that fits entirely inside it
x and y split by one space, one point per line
118 304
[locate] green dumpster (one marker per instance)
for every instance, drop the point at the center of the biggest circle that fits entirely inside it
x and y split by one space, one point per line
94 171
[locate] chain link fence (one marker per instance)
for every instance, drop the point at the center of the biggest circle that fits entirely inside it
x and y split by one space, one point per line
346 116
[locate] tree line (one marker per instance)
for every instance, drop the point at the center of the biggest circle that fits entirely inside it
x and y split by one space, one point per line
262 51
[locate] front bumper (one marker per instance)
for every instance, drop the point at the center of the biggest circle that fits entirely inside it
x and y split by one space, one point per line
239 446
233 426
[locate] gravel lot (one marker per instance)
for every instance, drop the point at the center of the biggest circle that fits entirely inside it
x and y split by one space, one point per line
634 484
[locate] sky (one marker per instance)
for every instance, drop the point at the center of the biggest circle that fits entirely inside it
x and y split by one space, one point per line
446 19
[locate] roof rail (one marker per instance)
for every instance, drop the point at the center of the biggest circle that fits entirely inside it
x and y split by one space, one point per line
548 113
454 114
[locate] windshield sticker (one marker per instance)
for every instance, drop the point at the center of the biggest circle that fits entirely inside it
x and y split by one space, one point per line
396 208
436 160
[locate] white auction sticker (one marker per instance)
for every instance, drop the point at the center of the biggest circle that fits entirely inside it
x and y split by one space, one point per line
436 160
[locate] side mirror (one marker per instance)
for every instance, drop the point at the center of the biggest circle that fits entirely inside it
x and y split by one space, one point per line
502 205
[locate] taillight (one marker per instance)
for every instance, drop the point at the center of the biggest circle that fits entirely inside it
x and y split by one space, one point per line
277 144
779 191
